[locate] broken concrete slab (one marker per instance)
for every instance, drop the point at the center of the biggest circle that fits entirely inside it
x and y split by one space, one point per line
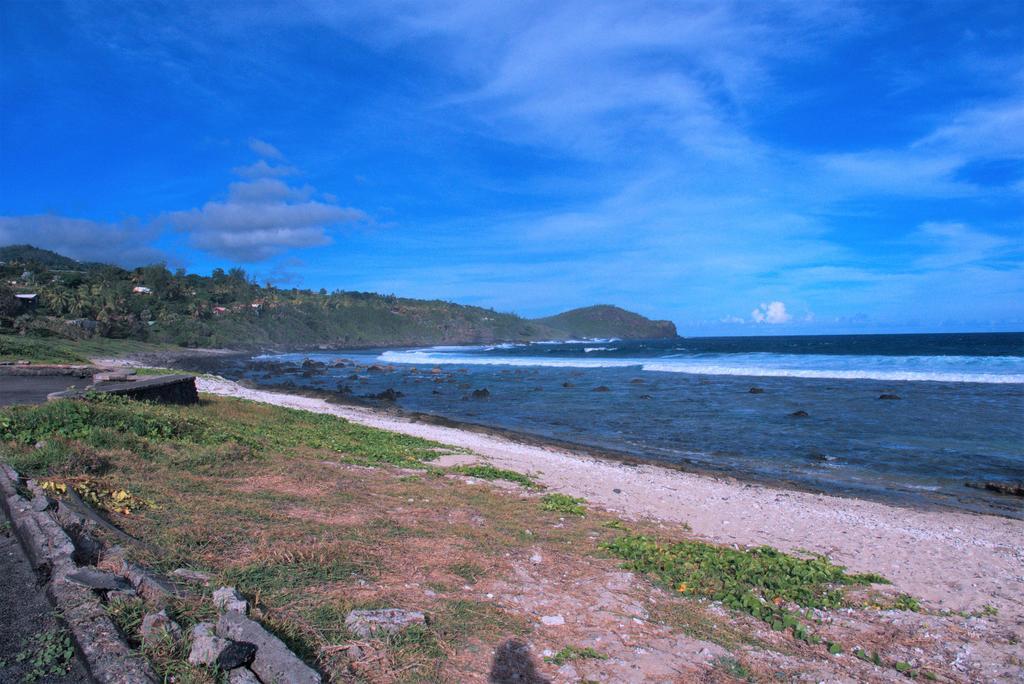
391 620
273 661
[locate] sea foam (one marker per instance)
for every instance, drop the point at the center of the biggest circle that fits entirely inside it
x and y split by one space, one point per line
953 369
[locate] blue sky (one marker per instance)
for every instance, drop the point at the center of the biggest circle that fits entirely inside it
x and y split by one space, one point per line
738 168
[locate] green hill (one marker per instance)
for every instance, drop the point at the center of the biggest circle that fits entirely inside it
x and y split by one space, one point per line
30 256
604 320
227 309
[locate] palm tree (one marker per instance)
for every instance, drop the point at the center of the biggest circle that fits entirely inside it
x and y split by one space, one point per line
59 301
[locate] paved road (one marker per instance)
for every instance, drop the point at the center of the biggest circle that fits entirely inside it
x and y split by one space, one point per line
24 613
28 389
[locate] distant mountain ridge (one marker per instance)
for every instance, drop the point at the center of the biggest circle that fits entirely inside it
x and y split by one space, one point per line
226 309
606 320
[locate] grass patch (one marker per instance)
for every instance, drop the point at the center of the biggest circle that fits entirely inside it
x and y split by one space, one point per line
470 572
570 653
206 437
37 350
489 472
763 582
563 503
58 350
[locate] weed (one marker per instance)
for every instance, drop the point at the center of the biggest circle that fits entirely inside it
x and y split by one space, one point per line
615 524
873 658
489 472
127 614
563 503
470 572
734 668
575 653
907 602
48 654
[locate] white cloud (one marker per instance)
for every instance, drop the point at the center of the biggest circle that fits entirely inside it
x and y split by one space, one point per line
124 242
265 149
262 169
260 219
773 312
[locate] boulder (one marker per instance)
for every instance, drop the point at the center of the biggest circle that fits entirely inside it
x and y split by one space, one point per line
242 676
567 385
157 625
206 647
644 396
799 414
391 620
273 661
889 397
1009 488
390 394
755 390
237 654
228 600
481 393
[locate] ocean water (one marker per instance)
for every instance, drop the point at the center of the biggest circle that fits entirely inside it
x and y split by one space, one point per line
959 416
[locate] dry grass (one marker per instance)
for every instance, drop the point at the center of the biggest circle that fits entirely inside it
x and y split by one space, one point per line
307 532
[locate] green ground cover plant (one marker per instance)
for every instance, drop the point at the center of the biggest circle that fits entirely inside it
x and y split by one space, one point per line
570 653
46 654
489 472
764 582
563 503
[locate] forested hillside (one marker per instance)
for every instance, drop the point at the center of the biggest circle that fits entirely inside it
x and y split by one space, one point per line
227 309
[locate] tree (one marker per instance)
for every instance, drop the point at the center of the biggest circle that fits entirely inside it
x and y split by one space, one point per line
8 304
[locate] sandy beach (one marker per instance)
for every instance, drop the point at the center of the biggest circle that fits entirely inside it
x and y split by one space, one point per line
953 561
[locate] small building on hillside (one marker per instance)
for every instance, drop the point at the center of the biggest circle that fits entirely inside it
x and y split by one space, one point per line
27 301
139 289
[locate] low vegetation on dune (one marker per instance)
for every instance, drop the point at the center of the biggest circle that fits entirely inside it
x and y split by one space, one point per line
311 516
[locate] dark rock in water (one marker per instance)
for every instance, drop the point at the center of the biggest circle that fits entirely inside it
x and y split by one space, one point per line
344 389
818 456
756 390
1008 488
601 388
436 392
375 369
645 396
889 397
636 381
481 393
98 579
390 394
353 376
567 384
237 654
465 385
310 363
799 414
